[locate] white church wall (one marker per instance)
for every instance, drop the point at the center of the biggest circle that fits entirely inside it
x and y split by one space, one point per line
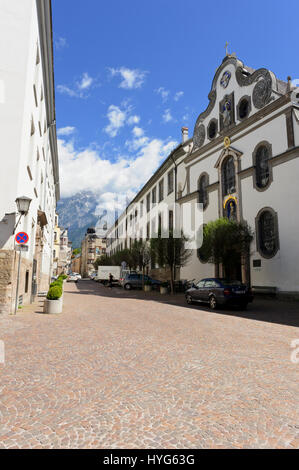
280 271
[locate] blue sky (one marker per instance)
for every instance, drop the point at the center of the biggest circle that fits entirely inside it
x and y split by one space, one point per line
130 73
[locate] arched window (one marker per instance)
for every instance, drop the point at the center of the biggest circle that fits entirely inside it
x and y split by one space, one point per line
203 183
228 176
267 229
262 168
212 129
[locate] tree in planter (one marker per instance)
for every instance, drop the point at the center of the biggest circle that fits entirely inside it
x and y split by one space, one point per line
226 242
54 293
170 252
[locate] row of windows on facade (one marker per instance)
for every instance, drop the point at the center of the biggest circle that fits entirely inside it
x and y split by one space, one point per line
267 237
261 163
36 101
150 229
97 250
150 198
243 110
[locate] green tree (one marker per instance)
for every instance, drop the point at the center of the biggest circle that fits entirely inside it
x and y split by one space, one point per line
122 255
103 260
76 252
170 252
226 242
140 256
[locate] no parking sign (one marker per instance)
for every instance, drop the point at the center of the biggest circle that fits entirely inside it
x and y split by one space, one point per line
22 238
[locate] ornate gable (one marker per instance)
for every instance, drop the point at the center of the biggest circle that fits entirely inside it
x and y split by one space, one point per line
239 91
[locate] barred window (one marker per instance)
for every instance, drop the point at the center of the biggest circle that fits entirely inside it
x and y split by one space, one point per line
262 166
203 190
228 176
267 232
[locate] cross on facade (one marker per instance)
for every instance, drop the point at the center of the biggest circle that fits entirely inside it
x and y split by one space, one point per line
226 50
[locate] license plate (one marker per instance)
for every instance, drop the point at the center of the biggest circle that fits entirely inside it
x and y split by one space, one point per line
240 292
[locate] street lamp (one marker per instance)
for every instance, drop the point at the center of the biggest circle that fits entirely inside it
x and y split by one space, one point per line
23 204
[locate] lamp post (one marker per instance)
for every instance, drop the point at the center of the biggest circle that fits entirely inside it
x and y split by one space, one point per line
23 204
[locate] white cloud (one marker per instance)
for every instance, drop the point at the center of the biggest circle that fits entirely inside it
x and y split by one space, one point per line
87 170
60 42
68 130
117 119
131 78
167 116
133 120
139 139
65 90
79 90
163 93
86 82
178 95
137 131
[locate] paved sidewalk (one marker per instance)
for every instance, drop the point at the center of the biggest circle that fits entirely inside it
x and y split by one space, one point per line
130 370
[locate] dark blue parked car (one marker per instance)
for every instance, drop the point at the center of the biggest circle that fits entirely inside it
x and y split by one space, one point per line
134 281
218 291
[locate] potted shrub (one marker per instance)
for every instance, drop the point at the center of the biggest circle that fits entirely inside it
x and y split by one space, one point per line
164 288
147 286
53 302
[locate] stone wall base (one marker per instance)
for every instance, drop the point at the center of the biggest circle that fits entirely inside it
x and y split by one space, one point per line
8 281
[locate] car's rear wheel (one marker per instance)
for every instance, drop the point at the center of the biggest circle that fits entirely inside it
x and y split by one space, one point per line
212 302
189 299
128 286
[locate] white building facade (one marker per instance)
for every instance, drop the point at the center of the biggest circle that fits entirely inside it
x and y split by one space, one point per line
28 146
243 163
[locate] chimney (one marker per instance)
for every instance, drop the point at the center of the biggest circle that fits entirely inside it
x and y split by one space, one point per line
184 134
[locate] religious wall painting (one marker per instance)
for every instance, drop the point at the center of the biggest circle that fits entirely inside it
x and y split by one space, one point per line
230 208
227 112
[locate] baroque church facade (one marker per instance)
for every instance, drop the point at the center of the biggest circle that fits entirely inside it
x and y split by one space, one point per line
242 162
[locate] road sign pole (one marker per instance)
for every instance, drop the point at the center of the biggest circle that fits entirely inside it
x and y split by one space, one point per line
18 281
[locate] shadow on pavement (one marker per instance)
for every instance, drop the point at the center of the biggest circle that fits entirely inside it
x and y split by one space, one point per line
262 309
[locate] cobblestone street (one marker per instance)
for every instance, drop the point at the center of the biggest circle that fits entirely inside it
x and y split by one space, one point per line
129 370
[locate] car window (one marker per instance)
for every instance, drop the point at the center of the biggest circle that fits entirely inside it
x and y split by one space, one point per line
200 284
227 282
211 283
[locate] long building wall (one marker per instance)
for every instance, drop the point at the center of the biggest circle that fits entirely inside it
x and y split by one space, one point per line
224 132
28 136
